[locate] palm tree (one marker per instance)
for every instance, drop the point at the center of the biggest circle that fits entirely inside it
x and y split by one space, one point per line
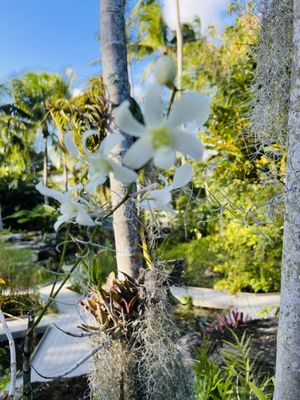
88 110
16 140
147 33
149 30
31 93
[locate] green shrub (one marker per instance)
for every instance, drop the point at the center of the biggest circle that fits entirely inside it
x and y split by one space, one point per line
18 269
243 258
197 258
246 259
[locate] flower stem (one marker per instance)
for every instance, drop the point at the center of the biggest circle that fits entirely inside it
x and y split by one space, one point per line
172 98
54 293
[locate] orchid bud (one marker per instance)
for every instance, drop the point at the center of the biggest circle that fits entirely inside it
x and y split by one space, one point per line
165 71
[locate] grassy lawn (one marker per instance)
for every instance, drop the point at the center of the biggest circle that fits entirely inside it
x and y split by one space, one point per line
19 270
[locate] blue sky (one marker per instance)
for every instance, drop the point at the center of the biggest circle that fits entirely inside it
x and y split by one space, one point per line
52 35
48 35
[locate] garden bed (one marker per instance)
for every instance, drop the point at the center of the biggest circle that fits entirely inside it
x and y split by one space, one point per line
263 333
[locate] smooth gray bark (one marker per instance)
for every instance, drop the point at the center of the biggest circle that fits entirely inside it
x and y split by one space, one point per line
287 385
45 166
179 47
115 76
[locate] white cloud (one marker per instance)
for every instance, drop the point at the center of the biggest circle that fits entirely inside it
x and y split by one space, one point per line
76 92
209 11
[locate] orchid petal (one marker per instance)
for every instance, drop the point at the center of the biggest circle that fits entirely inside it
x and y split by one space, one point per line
97 180
191 106
55 194
182 176
153 107
139 153
164 157
156 198
68 208
187 144
163 179
110 142
70 144
60 220
98 165
126 122
83 218
85 136
76 187
170 210
123 174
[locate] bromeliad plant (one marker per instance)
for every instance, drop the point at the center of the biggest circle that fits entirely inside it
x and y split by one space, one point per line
114 307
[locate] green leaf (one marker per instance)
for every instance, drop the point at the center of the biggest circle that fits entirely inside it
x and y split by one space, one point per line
257 391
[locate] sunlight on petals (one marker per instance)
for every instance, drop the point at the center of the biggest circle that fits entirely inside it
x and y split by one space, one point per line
139 153
164 157
123 174
182 176
192 106
70 144
153 107
126 122
187 144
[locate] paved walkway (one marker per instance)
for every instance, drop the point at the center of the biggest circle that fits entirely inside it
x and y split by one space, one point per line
251 304
57 352
18 326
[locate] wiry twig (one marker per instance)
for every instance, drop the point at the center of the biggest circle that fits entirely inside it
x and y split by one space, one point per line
78 363
77 335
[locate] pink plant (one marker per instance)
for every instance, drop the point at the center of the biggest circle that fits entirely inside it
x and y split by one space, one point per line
232 320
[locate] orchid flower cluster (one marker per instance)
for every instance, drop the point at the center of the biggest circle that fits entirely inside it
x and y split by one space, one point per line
158 140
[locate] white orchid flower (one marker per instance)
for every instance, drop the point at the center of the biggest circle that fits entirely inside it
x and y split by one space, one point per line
161 137
161 198
72 209
100 164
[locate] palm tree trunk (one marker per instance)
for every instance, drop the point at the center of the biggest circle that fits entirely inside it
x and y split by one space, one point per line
179 48
115 75
1 219
45 164
287 384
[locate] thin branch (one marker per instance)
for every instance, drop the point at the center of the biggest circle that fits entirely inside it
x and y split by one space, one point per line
77 335
78 364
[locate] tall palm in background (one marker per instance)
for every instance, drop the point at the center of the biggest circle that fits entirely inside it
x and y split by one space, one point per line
148 30
147 33
87 111
16 140
31 93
